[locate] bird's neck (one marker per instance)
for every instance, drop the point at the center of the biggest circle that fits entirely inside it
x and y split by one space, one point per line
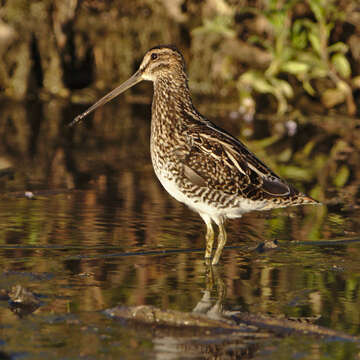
171 98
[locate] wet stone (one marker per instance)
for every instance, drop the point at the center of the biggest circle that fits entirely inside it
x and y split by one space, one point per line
267 245
22 301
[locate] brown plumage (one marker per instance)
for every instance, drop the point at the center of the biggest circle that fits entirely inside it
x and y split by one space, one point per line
198 163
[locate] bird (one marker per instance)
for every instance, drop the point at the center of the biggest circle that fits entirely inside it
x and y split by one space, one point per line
197 162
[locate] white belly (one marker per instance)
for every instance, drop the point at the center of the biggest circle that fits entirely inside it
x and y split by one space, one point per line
202 207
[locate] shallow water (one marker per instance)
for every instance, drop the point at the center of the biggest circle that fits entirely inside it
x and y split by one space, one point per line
100 231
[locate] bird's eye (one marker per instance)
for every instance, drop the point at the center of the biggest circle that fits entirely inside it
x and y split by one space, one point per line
154 56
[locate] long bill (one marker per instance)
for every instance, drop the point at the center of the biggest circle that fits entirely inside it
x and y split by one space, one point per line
133 80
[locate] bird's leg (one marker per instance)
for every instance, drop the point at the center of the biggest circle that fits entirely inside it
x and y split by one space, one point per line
210 236
216 311
221 243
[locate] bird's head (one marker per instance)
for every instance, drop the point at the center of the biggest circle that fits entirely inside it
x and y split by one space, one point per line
163 60
159 61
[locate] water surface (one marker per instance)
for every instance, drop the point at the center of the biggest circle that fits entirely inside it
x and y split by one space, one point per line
100 231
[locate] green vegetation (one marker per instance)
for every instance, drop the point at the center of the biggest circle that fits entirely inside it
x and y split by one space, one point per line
277 55
297 37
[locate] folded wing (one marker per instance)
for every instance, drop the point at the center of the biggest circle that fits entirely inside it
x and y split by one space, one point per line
217 160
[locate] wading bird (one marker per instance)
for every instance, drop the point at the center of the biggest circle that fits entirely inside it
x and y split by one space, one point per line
198 163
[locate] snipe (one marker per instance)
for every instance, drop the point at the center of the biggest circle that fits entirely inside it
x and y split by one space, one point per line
198 163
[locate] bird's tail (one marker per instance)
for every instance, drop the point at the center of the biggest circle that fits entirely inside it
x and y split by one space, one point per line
296 197
293 200
306 200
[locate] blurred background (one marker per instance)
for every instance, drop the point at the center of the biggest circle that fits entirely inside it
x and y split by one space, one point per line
283 76
295 64
299 52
